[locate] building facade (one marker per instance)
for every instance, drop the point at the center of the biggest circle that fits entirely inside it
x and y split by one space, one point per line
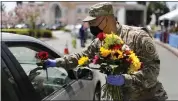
74 12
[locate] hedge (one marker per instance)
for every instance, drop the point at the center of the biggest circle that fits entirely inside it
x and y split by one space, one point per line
66 30
34 33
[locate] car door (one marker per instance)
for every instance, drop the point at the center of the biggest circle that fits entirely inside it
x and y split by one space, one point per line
15 87
60 85
86 88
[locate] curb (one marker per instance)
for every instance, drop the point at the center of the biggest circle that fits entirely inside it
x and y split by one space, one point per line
169 48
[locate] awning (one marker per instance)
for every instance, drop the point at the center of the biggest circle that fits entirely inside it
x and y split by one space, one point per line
173 15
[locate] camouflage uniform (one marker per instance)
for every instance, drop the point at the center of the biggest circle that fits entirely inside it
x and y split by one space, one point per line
142 85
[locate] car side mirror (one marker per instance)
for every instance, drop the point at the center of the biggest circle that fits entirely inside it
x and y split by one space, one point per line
85 74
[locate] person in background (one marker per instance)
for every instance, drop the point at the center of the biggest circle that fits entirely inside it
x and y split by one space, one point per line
82 35
165 35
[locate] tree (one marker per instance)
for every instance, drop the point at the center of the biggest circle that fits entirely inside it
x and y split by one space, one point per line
158 8
3 7
8 18
29 13
155 7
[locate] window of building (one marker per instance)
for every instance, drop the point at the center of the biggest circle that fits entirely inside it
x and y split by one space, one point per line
116 11
79 10
86 10
31 1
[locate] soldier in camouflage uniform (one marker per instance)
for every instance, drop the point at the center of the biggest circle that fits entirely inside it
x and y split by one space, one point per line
140 86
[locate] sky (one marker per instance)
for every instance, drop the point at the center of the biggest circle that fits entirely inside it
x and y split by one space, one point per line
11 5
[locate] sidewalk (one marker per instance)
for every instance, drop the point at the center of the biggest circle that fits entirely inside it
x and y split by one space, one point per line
167 46
59 40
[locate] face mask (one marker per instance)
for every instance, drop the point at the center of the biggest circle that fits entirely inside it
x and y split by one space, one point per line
95 30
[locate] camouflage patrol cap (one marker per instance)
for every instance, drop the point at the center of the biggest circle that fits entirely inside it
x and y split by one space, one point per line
99 9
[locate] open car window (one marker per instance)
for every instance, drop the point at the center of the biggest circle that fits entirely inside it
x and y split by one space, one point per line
45 83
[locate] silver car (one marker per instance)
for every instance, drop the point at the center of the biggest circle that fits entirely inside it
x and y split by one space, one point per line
23 80
75 32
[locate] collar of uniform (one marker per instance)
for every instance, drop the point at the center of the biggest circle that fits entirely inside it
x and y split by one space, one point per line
119 27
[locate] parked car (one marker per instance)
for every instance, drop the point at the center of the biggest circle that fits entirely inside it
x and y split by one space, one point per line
69 27
75 31
10 26
55 26
23 80
89 34
21 26
42 26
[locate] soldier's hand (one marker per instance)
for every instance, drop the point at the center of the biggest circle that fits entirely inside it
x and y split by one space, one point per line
50 63
117 80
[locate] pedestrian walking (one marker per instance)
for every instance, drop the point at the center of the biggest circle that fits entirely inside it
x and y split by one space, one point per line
82 33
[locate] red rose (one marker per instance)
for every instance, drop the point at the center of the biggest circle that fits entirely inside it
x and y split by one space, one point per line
129 61
42 55
116 47
101 36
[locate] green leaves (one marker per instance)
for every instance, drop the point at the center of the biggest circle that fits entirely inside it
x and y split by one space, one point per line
109 41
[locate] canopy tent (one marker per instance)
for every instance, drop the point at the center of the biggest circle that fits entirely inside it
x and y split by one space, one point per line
173 15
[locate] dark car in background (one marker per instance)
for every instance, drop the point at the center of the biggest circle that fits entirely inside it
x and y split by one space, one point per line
23 80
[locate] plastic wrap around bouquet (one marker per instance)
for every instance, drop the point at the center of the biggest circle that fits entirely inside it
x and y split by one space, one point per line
114 58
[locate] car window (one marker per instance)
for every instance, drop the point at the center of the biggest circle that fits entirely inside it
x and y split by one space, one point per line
44 82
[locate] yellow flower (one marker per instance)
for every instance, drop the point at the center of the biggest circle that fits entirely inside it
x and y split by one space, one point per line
136 64
120 54
121 41
131 69
104 52
112 35
82 60
114 57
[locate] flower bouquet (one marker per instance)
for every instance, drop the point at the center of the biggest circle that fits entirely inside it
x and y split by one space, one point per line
114 58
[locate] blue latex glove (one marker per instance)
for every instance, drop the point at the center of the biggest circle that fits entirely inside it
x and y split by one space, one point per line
117 80
50 63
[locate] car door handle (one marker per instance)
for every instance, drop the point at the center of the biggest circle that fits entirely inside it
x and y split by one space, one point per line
65 85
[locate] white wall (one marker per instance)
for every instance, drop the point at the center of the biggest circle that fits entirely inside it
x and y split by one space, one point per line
121 15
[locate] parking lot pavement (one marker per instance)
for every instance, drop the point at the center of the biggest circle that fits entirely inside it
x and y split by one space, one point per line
168 71
168 47
60 39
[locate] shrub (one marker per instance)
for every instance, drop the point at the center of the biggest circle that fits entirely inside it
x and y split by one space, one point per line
66 30
34 33
46 33
38 34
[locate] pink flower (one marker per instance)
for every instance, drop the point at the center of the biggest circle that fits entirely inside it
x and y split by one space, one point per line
95 60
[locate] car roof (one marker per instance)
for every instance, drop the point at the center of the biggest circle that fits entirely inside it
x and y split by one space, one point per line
10 37
16 37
